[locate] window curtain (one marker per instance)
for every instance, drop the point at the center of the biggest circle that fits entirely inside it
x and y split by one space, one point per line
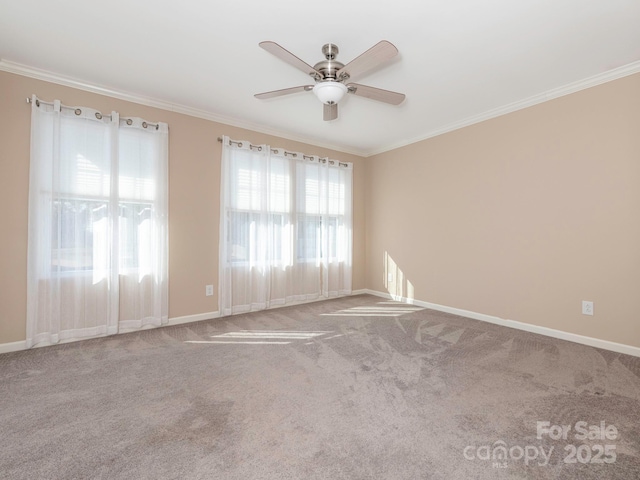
286 227
97 240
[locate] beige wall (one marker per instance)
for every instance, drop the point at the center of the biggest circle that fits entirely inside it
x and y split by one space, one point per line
520 217
194 178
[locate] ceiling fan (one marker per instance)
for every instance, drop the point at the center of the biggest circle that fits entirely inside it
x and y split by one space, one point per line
331 76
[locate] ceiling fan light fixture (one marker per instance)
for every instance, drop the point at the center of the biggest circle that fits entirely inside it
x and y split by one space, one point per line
329 92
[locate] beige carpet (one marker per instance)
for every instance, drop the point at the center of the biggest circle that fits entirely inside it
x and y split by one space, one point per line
353 388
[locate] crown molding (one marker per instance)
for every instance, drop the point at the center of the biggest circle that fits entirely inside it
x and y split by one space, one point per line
67 81
608 76
47 76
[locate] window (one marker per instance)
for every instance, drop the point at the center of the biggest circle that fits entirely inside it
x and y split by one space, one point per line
98 204
258 213
285 227
246 227
77 225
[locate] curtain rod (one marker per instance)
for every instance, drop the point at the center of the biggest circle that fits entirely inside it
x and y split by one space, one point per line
293 154
99 115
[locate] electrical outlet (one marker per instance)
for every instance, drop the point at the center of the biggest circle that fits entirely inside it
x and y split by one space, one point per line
587 307
209 290
390 277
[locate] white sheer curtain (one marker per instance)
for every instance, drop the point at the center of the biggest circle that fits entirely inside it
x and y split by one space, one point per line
324 201
94 181
285 227
143 178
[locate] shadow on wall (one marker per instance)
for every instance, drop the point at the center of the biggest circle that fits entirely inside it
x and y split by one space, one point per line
398 286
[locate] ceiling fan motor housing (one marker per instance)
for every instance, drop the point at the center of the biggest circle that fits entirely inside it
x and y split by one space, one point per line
329 50
329 67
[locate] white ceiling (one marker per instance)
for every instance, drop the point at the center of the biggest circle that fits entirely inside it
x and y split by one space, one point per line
460 60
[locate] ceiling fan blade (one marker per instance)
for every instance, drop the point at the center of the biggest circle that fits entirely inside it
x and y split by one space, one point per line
386 96
377 54
284 91
330 112
290 58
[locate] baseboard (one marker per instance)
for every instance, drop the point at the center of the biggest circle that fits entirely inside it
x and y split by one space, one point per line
527 327
22 345
192 318
13 346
